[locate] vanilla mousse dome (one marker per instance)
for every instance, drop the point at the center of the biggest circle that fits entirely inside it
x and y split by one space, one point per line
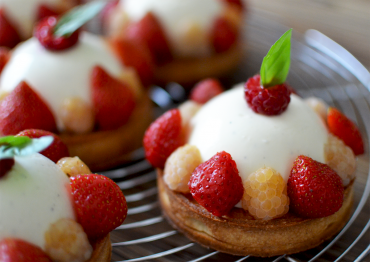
188 27
57 76
33 195
23 13
63 80
226 123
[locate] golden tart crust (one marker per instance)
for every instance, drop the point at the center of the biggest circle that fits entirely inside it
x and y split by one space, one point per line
240 234
102 250
191 70
102 150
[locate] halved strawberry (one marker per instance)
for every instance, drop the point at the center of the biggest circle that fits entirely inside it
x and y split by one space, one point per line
135 55
45 11
216 184
55 151
24 109
163 137
113 100
107 11
314 189
149 31
223 35
346 130
99 204
205 90
9 36
17 250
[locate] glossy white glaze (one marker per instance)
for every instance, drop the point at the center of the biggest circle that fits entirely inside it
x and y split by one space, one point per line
34 194
226 123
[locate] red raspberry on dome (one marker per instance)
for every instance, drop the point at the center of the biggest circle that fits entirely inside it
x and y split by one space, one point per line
99 204
314 189
163 137
270 101
55 151
205 90
216 184
44 32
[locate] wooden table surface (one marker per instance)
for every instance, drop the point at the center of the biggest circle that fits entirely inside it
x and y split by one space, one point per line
345 21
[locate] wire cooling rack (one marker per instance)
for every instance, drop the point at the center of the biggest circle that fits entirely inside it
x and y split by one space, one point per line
320 68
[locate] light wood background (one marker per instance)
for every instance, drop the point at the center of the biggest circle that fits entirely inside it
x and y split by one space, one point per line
345 21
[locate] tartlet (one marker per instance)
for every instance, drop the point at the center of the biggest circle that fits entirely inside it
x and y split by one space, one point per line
188 40
95 96
57 199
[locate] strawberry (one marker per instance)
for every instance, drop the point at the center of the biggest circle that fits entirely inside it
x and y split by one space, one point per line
23 109
44 32
17 250
223 35
135 55
346 130
149 31
314 189
45 11
216 184
9 36
273 100
99 204
55 151
5 166
205 90
163 137
113 101
4 57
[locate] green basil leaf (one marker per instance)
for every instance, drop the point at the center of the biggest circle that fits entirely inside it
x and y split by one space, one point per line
35 145
14 141
77 17
275 65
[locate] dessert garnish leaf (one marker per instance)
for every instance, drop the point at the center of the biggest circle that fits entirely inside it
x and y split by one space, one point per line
77 17
275 65
11 146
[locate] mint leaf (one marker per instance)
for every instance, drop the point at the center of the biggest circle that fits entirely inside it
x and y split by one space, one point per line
11 146
76 18
275 65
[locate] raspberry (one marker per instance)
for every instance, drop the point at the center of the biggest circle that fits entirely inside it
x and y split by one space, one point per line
65 240
216 184
44 33
77 116
265 194
319 106
266 101
205 90
73 166
179 167
340 158
163 137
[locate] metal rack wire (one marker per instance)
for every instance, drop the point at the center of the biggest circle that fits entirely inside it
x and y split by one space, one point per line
319 67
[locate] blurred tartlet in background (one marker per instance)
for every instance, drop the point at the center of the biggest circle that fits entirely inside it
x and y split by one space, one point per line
188 40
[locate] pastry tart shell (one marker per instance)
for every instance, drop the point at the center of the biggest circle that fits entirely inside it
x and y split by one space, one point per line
102 250
102 150
189 71
239 233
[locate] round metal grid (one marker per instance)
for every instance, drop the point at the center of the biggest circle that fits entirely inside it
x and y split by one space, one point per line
320 68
